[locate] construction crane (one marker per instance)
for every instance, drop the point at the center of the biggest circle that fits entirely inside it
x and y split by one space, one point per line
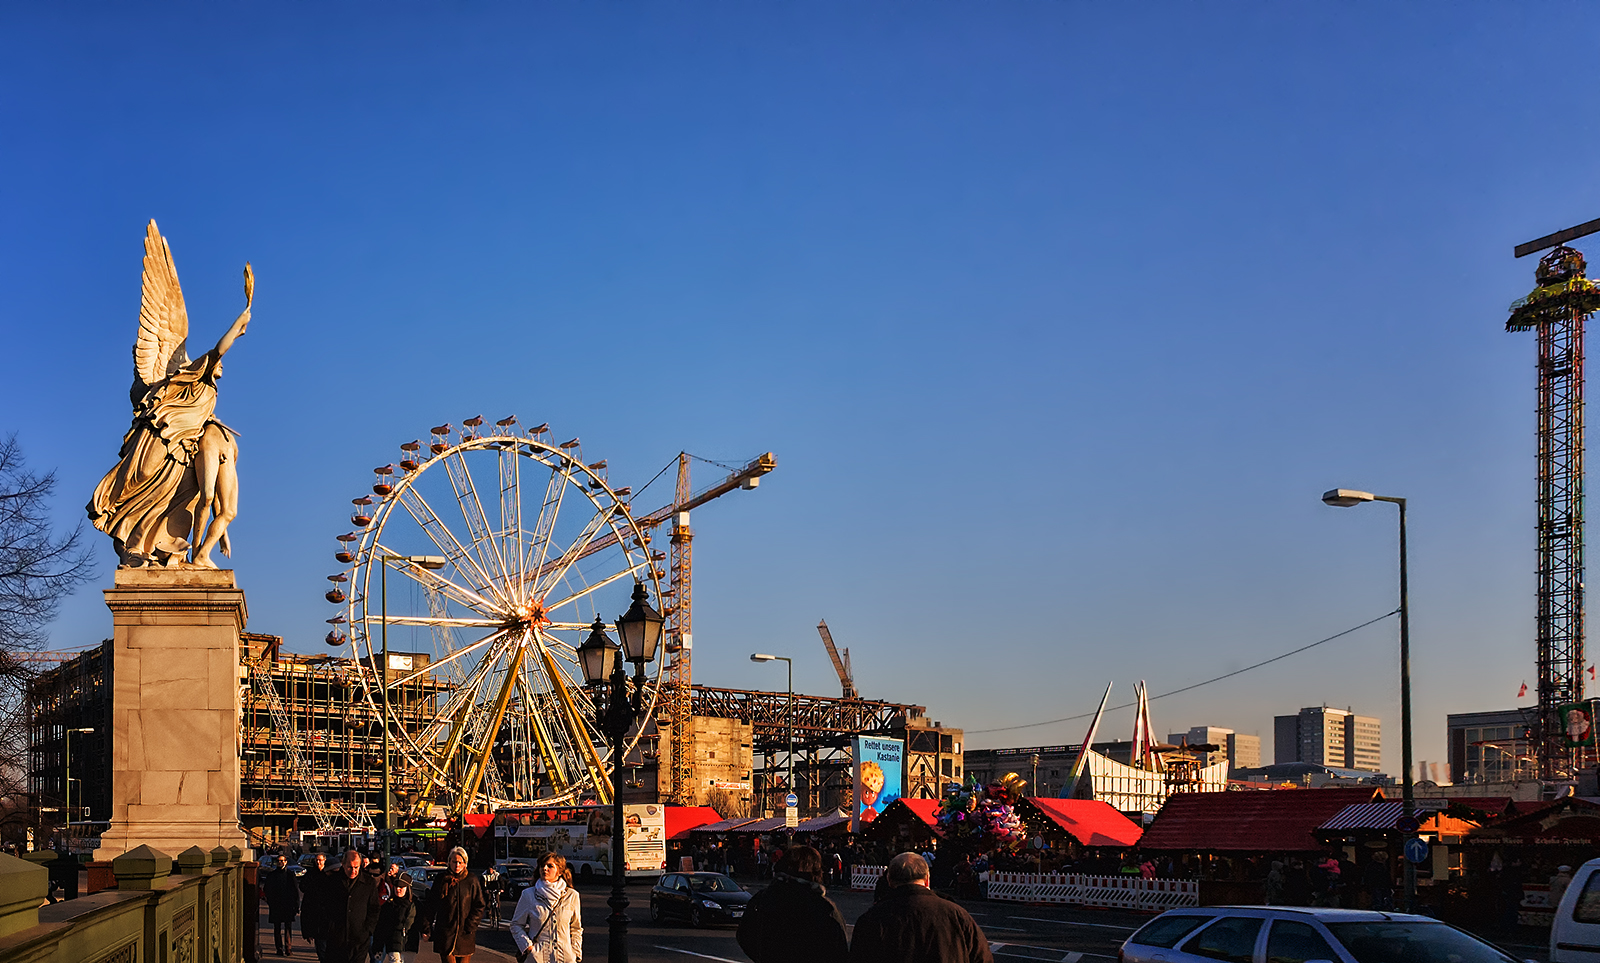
840 665
674 701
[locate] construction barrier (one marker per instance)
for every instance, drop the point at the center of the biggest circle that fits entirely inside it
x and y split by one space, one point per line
865 877
1111 892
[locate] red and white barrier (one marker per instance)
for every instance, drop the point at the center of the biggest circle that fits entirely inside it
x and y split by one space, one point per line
865 877
1112 892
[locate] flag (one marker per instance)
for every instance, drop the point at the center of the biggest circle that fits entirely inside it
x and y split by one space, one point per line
1591 673
1522 691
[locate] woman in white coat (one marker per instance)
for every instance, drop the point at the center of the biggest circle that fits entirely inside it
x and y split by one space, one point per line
547 926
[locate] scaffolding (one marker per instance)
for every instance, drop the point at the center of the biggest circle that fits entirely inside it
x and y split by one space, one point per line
823 730
1556 312
60 703
317 755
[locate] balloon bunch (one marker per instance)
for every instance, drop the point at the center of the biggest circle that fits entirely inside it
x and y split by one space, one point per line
983 817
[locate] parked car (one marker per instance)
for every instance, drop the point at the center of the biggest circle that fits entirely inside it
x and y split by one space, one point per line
703 899
1282 934
1575 933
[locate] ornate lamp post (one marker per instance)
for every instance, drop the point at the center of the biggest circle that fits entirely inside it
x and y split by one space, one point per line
616 711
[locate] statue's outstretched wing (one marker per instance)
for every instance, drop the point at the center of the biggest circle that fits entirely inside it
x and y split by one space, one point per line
163 320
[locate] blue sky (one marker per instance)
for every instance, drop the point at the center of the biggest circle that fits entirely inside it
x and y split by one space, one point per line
1058 316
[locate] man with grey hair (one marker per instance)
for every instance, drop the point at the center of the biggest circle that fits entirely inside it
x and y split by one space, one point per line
912 924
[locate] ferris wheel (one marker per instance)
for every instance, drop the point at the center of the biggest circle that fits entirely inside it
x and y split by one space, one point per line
479 563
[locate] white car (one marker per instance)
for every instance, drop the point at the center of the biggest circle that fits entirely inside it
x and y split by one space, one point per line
1575 933
1284 934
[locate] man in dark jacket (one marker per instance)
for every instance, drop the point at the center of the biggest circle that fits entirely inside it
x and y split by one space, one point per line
914 925
350 911
793 921
311 900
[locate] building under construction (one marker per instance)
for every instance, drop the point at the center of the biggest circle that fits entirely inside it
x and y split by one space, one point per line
311 746
62 703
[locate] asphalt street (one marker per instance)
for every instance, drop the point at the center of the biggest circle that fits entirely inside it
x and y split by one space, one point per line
1016 932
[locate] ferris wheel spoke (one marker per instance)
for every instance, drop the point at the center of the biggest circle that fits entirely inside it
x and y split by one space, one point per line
574 719
433 581
448 660
444 539
547 576
575 596
430 620
472 513
554 493
511 516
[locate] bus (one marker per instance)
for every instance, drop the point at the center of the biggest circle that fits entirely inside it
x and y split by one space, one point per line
83 838
582 834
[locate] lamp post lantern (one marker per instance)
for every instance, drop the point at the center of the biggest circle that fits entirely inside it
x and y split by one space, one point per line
432 563
1349 498
789 721
616 710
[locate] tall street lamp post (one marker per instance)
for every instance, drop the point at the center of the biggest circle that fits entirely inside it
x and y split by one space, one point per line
67 758
789 720
432 563
616 711
1349 498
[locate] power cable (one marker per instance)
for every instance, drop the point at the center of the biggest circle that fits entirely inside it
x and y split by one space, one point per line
1190 688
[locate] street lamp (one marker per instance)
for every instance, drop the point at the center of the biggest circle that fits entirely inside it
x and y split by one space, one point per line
67 758
759 657
1349 498
615 712
432 563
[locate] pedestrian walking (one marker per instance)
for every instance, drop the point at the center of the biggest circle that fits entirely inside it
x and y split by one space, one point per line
312 887
394 922
1379 882
351 905
912 924
455 908
283 905
547 925
793 921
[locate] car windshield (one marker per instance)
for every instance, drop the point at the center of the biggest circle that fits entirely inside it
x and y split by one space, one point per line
1398 942
713 884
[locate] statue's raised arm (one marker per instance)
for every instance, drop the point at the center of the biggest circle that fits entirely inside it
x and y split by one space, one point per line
174 490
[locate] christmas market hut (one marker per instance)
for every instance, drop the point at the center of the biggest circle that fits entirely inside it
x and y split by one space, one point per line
904 824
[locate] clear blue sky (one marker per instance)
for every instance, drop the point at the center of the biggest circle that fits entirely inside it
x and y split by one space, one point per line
1058 316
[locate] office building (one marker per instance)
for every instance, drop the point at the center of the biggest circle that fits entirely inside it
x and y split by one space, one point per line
1324 736
1489 746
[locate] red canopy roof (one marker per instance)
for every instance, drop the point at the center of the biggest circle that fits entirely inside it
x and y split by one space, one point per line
479 823
1091 822
926 810
1272 821
681 819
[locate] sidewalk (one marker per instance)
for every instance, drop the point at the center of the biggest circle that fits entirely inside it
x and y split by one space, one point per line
494 946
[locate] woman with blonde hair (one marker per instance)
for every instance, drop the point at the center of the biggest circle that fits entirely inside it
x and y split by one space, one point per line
455 908
547 926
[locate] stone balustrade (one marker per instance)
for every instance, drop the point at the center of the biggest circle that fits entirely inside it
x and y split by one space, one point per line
185 910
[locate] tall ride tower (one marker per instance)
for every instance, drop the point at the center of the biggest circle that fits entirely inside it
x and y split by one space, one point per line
1556 312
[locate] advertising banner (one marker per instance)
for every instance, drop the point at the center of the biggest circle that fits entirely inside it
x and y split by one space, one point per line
1577 721
879 777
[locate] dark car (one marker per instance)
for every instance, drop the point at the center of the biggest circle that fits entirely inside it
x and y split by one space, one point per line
703 899
516 878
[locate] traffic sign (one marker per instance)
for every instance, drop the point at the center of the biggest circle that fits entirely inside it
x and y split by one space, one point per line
791 800
1417 850
1407 824
791 817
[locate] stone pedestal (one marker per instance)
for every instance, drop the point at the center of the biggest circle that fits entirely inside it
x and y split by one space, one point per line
174 710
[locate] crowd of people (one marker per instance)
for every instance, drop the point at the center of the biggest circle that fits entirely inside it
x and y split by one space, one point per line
793 921
369 911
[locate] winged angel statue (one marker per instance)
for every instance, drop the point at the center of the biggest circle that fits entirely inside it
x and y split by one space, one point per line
178 462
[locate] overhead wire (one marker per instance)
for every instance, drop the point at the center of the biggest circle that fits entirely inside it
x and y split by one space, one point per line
1191 688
